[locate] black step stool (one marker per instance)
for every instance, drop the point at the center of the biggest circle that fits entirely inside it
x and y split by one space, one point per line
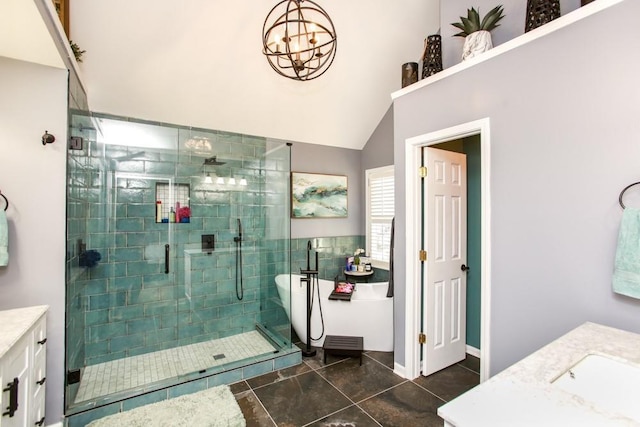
343 346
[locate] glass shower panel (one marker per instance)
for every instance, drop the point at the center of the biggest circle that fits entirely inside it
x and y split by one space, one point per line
220 306
80 175
275 253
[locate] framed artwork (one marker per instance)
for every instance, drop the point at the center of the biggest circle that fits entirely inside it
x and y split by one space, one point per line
316 195
62 9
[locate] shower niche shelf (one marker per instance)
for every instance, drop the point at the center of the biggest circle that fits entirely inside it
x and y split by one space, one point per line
172 203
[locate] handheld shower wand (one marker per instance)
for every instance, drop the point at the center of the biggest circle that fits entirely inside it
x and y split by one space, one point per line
238 238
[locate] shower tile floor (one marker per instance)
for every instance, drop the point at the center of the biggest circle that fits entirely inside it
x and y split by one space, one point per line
137 371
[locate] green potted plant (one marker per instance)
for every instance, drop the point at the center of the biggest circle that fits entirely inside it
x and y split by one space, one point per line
476 31
356 257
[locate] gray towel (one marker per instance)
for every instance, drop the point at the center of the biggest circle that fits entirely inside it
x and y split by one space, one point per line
4 239
626 274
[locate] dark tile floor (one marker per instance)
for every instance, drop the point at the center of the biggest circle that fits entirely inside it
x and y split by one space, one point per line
341 393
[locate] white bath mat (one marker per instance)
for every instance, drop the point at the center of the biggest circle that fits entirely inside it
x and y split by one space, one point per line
214 407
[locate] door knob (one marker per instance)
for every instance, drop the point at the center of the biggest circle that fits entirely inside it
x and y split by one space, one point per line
465 268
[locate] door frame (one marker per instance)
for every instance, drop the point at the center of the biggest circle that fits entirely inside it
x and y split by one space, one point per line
413 295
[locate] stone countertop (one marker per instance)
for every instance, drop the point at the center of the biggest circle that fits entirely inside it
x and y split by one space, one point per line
523 394
14 323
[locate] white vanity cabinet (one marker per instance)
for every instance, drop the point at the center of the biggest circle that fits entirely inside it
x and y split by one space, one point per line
23 349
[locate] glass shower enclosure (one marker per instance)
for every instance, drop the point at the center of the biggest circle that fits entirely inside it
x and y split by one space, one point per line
174 238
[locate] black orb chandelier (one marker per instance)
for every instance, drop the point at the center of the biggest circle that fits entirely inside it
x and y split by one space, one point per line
299 39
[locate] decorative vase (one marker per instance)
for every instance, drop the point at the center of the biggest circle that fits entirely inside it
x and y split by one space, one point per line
409 73
432 55
476 43
539 12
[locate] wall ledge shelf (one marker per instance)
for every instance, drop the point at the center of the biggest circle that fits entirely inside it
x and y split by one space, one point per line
542 31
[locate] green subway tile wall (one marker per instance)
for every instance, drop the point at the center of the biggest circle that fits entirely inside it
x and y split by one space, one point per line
332 254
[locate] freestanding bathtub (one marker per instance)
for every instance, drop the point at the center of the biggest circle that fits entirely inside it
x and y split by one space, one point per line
369 314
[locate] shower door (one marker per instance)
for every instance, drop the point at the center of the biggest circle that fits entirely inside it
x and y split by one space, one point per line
144 241
140 159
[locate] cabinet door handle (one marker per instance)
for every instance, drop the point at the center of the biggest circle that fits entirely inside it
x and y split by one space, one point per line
42 341
41 422
41 381
12 388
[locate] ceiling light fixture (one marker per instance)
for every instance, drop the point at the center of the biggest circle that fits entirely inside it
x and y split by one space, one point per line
198 144
299 39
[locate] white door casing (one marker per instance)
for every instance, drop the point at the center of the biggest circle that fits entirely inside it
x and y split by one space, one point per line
445 241
409 366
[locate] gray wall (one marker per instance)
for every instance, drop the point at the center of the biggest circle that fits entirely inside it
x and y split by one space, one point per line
378 150
34 98
512 25
564 129
335 161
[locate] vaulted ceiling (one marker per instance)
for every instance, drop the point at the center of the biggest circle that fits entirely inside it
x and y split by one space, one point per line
199 63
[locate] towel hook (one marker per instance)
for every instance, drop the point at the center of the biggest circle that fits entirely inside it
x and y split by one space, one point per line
47 138
5 201
622 193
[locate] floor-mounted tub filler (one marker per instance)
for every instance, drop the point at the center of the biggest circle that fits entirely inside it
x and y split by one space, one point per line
369 314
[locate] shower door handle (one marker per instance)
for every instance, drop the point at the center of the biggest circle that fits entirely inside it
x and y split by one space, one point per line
166 259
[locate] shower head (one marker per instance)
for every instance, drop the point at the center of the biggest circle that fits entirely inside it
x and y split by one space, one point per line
213 161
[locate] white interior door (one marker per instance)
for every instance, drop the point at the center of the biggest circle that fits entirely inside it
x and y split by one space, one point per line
445 240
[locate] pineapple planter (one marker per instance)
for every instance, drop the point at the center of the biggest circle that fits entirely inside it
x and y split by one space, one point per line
476 43
476 32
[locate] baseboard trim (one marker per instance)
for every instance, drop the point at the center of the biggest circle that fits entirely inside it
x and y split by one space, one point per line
399 370
473 351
